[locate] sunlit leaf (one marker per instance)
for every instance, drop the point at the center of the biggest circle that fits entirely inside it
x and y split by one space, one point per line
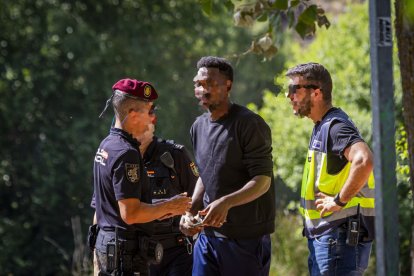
309 15
281 4
206 6
262 18
229 5
294 3
304 29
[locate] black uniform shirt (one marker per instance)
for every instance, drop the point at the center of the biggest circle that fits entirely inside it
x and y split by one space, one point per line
166 181
169 176
118 174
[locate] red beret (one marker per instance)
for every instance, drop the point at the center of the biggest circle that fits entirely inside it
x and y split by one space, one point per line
139 89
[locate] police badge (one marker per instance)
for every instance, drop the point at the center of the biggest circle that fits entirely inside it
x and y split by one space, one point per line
132 172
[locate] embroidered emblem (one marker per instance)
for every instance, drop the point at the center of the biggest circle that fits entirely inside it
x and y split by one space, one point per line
317 144
151 174
101 156
147 91
132 172
194 169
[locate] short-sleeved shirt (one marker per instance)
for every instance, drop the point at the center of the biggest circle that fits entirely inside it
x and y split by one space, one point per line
118 174
341 136
229 152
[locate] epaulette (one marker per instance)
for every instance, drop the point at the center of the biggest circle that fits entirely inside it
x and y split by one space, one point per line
172 143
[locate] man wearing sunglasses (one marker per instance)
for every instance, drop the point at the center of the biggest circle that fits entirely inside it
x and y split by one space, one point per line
122 195
337 195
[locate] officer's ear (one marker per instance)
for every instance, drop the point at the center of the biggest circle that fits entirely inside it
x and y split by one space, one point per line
133 114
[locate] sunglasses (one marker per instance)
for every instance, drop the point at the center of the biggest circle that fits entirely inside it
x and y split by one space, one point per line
150 112
153 109
294 87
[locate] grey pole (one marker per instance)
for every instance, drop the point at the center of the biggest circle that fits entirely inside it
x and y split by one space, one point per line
386 205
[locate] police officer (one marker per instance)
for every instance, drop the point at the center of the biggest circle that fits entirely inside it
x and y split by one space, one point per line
122 195
338 189
171 172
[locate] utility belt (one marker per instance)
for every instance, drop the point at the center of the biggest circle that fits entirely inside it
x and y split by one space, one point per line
174 240
118 243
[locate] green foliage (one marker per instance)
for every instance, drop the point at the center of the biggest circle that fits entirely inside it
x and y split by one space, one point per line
405 200
409 9
281 4
289 247
207 6
300 14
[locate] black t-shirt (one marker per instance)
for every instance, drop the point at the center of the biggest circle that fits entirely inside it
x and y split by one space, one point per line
229 152
341 136
118 174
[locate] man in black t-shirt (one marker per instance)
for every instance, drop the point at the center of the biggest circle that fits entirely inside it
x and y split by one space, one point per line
235 190
337 197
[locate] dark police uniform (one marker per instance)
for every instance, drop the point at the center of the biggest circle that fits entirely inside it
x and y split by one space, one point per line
119 174
170 172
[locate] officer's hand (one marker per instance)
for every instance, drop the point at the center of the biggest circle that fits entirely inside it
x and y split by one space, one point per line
177 205
190 225
215 213
325 203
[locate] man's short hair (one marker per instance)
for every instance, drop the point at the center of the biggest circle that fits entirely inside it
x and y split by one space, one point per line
314 72
222 64
122 104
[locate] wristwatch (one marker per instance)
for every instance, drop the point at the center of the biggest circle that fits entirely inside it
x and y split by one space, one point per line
338 201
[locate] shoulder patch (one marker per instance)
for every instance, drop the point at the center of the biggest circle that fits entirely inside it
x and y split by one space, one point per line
194 169
173 144
132 172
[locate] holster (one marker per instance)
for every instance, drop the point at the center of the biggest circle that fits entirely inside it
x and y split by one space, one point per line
92 235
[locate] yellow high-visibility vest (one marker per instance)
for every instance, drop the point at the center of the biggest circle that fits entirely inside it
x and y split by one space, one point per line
317 179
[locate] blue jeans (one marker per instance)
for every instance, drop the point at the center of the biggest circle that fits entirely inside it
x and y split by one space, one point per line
330 255
215 256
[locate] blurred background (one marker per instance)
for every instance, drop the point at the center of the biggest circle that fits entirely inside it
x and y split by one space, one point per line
59 60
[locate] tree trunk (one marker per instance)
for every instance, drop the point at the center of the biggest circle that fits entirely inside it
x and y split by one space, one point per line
405 41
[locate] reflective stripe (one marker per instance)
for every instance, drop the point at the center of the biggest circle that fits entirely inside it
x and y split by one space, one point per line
363 201
313 218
